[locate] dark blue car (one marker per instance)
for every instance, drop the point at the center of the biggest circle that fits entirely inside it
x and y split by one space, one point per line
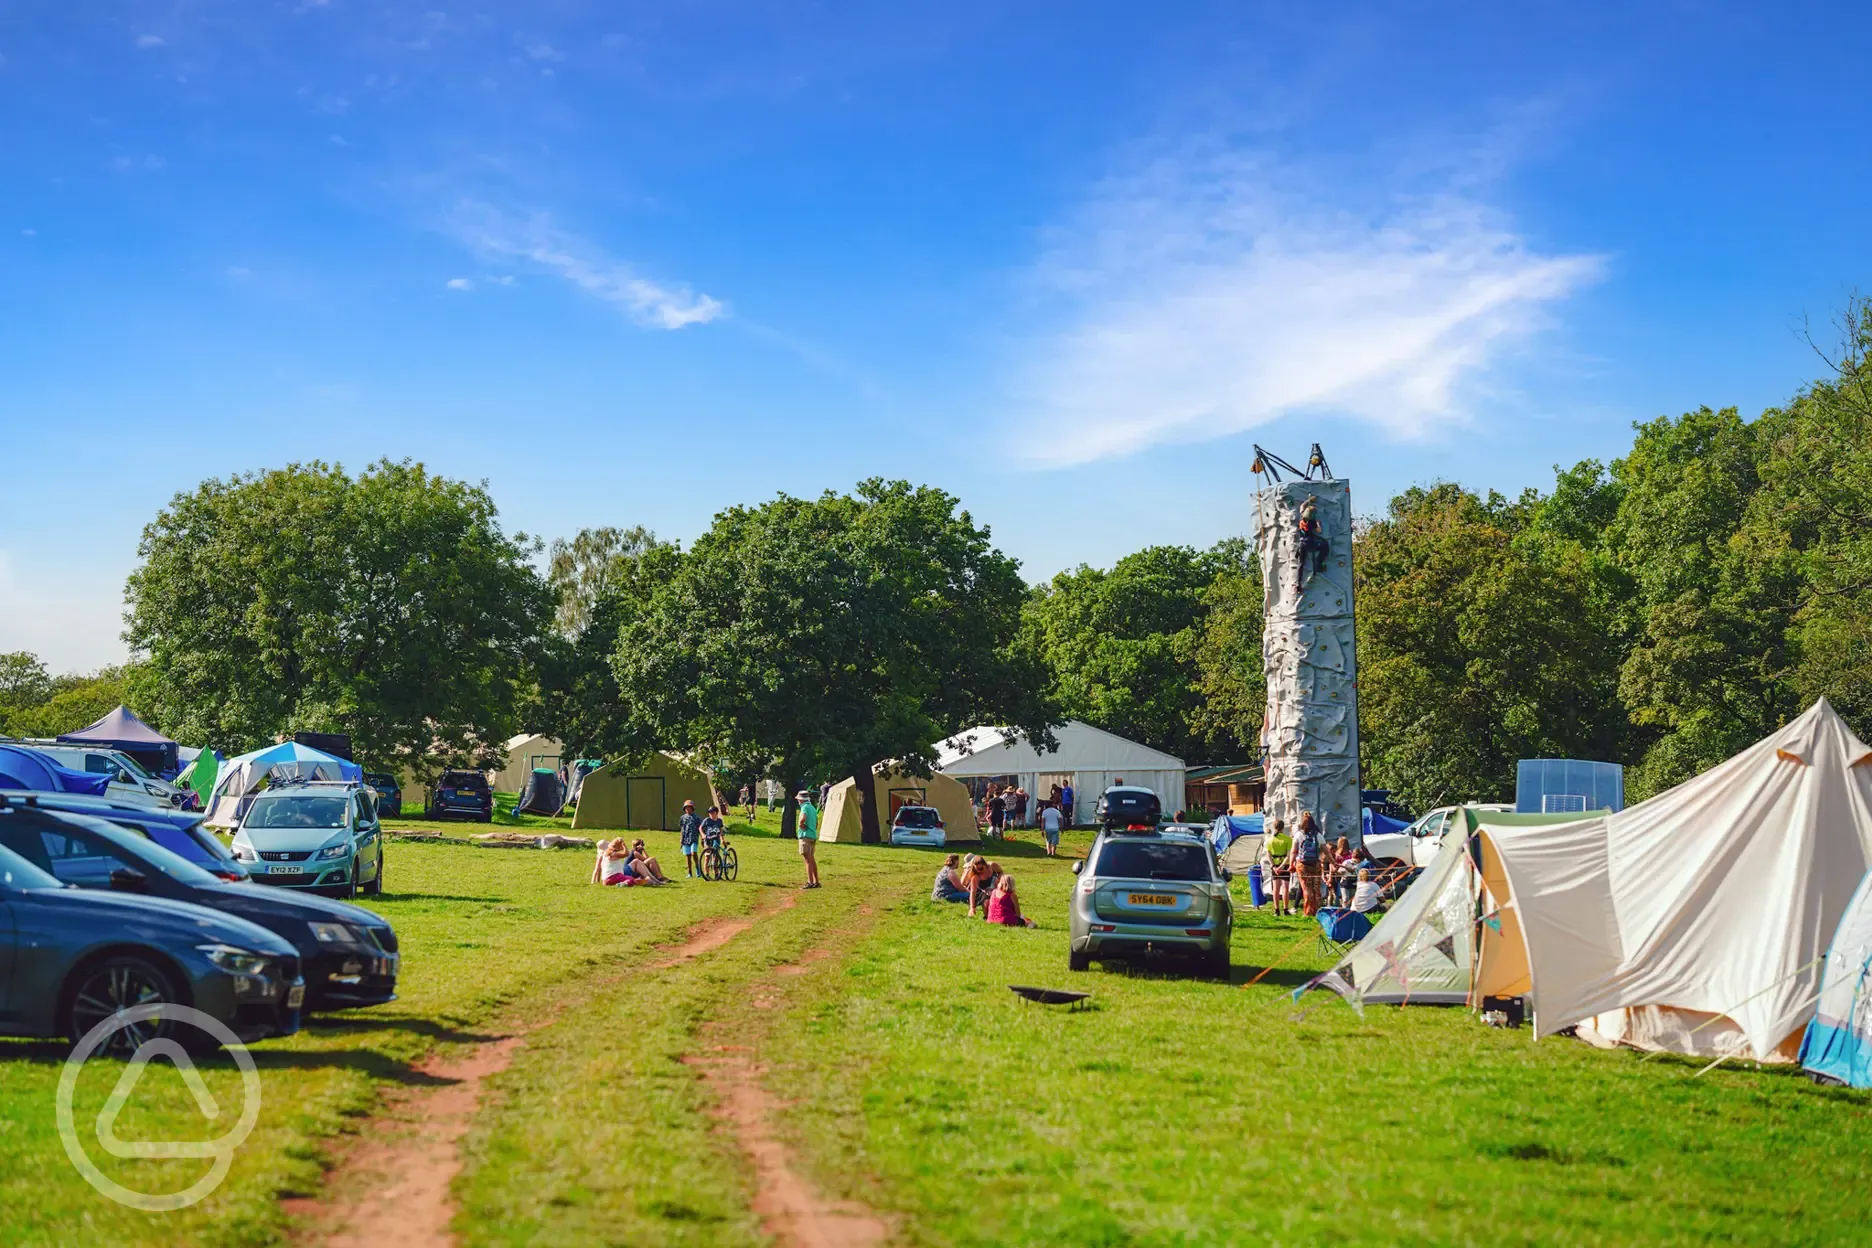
348 955
71 958
462 795
178 831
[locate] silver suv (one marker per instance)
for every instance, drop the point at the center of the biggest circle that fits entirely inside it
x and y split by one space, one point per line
1145 892
320 834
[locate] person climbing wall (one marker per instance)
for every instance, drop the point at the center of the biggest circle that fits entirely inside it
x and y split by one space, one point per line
1312 543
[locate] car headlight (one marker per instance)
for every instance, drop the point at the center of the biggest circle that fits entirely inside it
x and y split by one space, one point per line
244 852
239 961
337 933
335 851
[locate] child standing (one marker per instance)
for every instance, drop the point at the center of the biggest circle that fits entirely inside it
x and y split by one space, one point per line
690 826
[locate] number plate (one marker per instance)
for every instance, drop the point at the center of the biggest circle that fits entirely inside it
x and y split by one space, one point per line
279 870
295 997
1151 899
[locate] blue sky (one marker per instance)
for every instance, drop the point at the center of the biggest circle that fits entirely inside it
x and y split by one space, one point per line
632 264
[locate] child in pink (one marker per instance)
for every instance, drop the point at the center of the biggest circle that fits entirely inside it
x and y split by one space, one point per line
1004 906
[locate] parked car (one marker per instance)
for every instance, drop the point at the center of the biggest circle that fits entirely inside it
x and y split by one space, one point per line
178 831
129 781
347 955
319 834
389 793
1129 806
1400 853
1140 893
918 825
461 795
71 958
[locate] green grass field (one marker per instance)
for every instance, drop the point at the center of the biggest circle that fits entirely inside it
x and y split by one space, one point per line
1174 1111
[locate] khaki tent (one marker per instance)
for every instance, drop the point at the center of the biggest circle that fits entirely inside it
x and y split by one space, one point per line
1694 922
523 754
648 796
843 821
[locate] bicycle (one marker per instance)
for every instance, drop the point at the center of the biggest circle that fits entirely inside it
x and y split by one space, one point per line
718 860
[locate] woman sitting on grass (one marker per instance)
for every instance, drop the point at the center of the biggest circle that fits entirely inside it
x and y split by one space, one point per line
948 886
614 864
1004 906
978 877
644 865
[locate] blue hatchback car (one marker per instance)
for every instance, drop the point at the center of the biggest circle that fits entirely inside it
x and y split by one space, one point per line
71 958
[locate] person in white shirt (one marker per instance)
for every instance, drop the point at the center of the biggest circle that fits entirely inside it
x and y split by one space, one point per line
1365 896
1050 824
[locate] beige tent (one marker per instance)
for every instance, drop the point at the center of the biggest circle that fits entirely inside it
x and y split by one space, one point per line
1693 922
842 819
524 753
648 796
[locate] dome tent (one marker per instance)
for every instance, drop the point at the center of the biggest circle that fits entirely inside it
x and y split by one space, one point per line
240 778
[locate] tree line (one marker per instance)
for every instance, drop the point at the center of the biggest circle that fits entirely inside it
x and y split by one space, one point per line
1663 610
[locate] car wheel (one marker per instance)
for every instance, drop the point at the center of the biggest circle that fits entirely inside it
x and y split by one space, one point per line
121 981
1078 961
375 887
1216 962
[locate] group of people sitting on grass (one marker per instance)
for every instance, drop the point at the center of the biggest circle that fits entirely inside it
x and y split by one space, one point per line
984 885
623 862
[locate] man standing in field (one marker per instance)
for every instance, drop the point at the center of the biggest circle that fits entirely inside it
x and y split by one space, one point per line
747 800
809 838
1066 803
1050 824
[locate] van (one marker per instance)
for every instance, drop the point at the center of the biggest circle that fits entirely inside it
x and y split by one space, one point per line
129 782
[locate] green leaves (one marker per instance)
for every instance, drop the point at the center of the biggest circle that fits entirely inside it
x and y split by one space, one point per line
814 638
389 606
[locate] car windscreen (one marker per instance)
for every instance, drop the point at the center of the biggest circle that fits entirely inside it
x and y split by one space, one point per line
917 817
184 843
298 811
1152 860
463 780
130 765
16 872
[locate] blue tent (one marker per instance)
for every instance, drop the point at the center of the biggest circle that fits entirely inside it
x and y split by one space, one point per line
1838 1045
121 730
1377 824
1228 828
29 769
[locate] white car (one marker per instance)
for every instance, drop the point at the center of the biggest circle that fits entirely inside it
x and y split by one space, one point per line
129 782
1416 846
918 825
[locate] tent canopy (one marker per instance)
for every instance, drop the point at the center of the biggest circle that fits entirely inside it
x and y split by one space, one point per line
29 769
523 754
1091 758
648 795
122 730
1694 921
239 778
891 788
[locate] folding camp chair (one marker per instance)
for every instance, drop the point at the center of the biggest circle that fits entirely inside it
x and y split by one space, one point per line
1341 929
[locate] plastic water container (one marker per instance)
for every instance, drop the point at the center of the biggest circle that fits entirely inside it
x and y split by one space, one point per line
1255 893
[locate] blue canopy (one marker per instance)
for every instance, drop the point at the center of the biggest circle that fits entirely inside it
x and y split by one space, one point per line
29 769
293 758
1228 828
1377 824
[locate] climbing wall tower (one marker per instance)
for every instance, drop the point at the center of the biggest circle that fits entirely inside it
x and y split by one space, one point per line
1310 736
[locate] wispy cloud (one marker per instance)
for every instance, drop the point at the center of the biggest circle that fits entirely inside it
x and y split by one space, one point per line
138 164
1210 292
458 283
150 41
535 240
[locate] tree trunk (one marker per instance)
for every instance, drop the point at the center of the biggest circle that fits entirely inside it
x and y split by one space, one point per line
864 787
789 817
